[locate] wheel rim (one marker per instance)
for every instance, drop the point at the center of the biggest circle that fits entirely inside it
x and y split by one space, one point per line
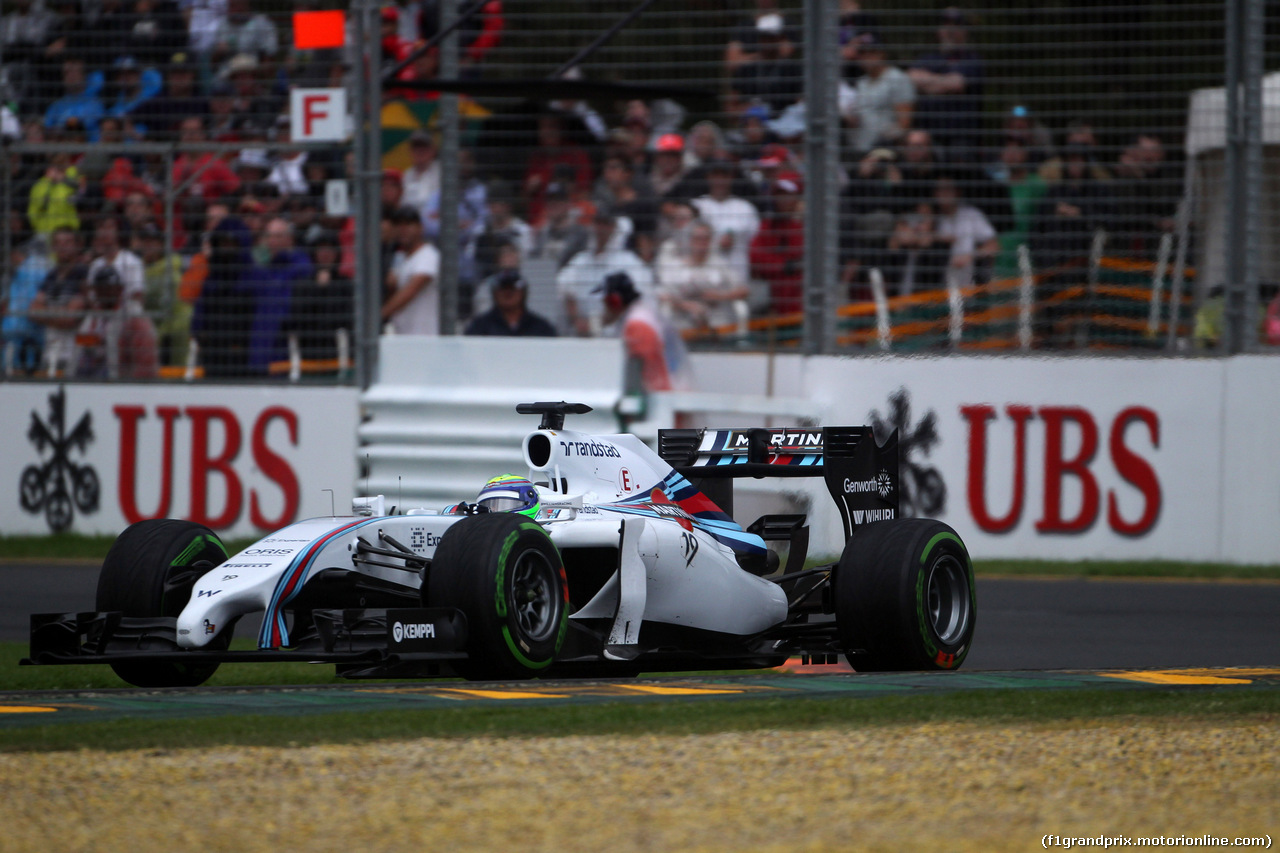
947 589
533 596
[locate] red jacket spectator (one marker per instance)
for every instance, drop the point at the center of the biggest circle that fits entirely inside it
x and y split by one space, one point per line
553 151
777 252
213 178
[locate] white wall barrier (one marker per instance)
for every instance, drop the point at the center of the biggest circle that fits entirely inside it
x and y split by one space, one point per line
1070 458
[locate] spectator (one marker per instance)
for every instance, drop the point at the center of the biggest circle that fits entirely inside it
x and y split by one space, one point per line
1079 137
777 252
253 107
553 150
706 142
414 305
156 31
245 33
675 217
881 110
23 338
579 282
472 214
668 164
855 28
1147 193
272 285
502 227
752 134
561 235
60 303
24 34
288 173
116 340
698 290
1025 189
201 174
950 81
224 310
973 240
869 207
323 304
1071 211
508 258
52 204
109 251
734 219
422 178
80 101
641 210
205 20
510 315
1021 128
744 42
165 297
769 74
647 339
916 256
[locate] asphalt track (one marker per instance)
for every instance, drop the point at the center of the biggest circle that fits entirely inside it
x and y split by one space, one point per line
1023 624
1031 633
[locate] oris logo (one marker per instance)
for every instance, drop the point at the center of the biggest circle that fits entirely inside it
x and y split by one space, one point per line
401 631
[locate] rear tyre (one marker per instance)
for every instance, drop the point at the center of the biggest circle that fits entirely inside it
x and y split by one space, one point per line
905 597
150 571
504 573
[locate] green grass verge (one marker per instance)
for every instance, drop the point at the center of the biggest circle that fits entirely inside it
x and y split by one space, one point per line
675 718
1124 569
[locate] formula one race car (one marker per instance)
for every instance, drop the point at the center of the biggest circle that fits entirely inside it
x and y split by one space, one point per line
608 559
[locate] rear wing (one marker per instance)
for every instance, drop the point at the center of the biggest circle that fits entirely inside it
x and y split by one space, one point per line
861 475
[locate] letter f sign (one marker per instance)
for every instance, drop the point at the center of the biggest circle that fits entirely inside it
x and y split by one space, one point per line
314 107
318 115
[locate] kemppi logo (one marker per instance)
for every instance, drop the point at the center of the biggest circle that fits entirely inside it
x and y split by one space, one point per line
401 631
881 484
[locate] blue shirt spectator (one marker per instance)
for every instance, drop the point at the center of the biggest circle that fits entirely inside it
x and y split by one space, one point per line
272 286
81 101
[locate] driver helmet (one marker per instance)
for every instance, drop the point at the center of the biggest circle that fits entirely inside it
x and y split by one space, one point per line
510 493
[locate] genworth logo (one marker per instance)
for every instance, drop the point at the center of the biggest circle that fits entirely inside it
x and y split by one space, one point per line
57 485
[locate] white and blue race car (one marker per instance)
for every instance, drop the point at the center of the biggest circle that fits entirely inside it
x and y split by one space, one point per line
607 558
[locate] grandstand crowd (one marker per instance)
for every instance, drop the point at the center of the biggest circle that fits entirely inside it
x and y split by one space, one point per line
126 263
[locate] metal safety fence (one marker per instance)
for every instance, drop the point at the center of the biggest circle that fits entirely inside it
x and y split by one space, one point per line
827 175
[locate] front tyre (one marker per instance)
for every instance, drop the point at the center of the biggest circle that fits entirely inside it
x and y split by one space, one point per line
504 573
150 571
905 597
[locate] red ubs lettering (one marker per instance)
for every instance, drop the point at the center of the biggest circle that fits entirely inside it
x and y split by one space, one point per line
1058 468
209 462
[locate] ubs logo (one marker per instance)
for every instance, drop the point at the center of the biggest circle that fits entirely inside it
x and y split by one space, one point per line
923 491
57 485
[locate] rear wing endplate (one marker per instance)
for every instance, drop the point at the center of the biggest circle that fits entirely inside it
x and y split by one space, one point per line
861 475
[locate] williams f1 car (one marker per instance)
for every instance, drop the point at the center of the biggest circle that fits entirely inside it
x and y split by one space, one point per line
608 558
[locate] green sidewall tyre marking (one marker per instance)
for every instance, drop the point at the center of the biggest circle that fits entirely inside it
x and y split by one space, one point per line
500 601
925 634
195 547
937 537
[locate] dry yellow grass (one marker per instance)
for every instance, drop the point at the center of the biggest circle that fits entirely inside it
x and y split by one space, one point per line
955 786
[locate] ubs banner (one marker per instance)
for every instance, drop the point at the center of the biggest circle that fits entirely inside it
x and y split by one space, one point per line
96 458
1068 458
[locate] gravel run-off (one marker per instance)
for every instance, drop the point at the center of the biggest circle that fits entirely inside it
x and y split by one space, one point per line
950 786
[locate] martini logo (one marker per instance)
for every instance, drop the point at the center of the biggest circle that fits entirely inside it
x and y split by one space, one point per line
924 494
58 485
